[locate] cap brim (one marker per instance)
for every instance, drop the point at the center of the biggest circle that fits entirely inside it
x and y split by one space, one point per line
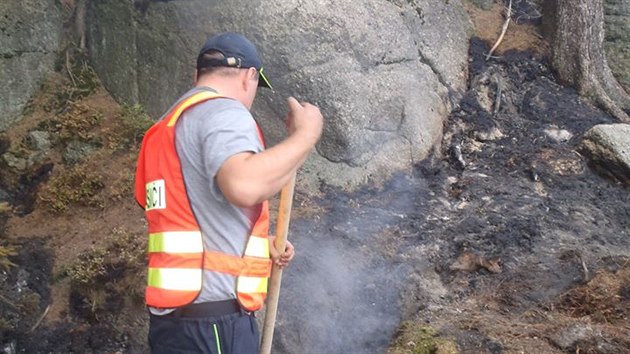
262 80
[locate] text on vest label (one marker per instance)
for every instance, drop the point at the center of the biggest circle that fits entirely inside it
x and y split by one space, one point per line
156 198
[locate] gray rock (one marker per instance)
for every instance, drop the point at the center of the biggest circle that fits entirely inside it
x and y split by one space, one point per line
492 134
29 40
617 41
39 140
22 163
566 338
383 72
483 4
558 135
113 28
608 147
15 162
77 151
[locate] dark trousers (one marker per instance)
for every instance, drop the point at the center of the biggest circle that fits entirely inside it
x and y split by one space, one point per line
235 333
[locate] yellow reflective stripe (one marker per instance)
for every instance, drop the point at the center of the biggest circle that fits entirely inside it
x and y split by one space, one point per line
175 278
257 247
251 285
176 242
201 96
216 338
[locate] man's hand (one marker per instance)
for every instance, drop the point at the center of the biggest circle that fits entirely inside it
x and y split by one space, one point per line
304 119
281 260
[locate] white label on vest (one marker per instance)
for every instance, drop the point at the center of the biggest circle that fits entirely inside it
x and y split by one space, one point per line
156 195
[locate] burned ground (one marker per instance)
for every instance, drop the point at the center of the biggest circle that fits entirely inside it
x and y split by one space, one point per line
527 196
509 182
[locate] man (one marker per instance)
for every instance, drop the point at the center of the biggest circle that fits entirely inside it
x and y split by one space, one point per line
203 177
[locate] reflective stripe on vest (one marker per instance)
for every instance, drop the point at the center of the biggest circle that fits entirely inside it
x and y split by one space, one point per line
174 278
176 255
251 290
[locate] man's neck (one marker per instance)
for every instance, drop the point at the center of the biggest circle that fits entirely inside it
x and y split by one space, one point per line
218 86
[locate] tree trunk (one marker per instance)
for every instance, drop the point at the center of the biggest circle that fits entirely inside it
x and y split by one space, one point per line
576 28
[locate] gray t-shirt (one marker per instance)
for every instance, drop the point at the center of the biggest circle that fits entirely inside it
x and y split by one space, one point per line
206 135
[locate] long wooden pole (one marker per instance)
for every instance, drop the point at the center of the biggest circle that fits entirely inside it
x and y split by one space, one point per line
273 293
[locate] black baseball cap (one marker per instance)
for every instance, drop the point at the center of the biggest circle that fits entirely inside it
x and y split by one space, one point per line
238 52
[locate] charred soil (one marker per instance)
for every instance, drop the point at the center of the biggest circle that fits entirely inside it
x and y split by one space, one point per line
510 183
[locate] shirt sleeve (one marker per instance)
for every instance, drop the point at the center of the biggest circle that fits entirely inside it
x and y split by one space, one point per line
230 131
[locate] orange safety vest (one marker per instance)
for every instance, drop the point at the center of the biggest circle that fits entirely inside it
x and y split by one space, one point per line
177 256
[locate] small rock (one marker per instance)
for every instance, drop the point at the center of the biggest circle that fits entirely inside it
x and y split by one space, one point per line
15 162
10 348
558 135
490 135
77 151
483 4
567 337
471 262
39 140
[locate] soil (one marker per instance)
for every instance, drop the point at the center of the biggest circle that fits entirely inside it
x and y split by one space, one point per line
48 243
507 188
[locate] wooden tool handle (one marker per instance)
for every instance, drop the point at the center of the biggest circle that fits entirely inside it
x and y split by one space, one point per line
273 293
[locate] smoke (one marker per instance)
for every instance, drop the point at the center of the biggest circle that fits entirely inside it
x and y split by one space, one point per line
342 293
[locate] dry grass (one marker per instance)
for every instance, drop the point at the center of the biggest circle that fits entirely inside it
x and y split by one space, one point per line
488 25
604 299
602 305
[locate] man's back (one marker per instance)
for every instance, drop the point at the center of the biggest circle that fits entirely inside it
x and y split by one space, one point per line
206 135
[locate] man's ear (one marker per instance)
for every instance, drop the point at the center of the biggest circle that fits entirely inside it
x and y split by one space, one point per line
250 78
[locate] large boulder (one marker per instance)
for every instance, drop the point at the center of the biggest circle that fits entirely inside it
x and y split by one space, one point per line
384 72
617 43
30 35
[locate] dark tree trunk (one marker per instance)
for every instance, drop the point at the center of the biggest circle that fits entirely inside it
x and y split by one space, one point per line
576 29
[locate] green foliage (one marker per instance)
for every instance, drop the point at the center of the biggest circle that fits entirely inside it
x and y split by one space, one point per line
418 338
131 124
5 253
77 185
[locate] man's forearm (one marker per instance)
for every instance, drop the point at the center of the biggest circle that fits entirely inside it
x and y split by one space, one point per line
248 179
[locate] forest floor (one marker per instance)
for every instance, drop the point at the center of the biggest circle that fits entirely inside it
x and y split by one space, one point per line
504 241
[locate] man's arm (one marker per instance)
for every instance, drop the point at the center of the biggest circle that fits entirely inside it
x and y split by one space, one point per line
247 179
